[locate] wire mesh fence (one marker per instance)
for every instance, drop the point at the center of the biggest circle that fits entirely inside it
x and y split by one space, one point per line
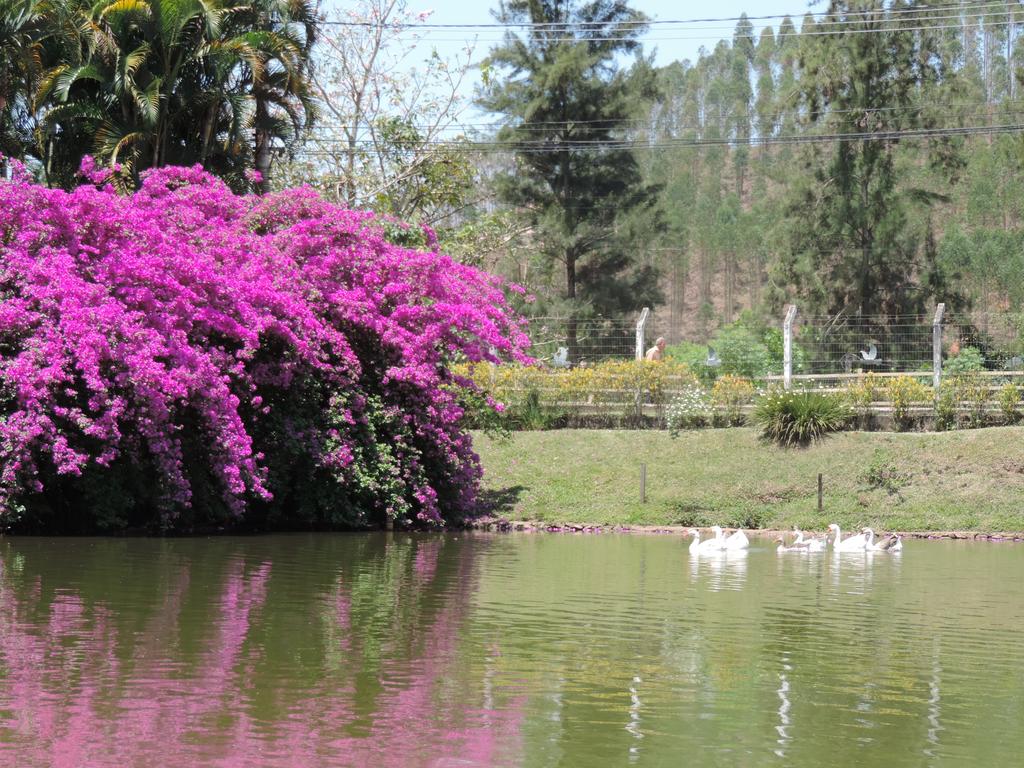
880 365
822 347
839 346
836 348
994 339
563 342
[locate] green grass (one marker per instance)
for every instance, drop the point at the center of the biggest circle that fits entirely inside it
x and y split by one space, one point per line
966 480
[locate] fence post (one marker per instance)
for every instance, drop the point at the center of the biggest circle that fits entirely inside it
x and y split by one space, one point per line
641 327
787 347
940 310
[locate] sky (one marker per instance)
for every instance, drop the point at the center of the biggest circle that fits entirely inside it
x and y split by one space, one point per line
672 44
668 42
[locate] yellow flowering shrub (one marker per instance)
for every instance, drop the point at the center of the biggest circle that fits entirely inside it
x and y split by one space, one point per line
864 391
903 392
614 381
729 395
1009 401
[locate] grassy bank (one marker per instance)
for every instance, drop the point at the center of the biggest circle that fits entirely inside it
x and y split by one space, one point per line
967 480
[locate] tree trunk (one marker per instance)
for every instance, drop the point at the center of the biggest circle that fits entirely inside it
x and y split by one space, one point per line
262 147
730 278
570 293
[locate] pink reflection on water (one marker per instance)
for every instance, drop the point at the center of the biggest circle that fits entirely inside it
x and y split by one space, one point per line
79 686
425 563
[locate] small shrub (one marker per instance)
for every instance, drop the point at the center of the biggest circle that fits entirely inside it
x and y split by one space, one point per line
884 475
690 409
797 418
528 414
946 405
1009 402
974 394
864 391
968 360
968 391
903 393
729 395
742 352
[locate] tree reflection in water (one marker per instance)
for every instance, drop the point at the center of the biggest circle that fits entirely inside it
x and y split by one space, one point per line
236 665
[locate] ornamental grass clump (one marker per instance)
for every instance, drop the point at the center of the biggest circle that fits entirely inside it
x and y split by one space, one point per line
184 356
797 418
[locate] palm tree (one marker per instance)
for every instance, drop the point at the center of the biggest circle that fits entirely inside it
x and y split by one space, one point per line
21 32
283 32
160 82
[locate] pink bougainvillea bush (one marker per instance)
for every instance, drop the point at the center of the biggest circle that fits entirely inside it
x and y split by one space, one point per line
186 357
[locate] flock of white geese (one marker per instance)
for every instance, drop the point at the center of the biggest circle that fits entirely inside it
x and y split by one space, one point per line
861 542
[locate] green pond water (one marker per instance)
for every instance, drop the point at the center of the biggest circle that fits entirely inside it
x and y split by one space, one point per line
506 650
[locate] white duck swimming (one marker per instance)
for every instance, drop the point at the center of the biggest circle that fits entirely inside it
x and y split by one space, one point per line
737 540
808 545
856 543
708 545
891 543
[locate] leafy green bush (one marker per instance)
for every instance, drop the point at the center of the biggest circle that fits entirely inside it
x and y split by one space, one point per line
742 352
797 418
968 360
975 394
745 348
694 357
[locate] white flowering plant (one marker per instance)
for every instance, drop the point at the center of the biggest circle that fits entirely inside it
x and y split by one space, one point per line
690 409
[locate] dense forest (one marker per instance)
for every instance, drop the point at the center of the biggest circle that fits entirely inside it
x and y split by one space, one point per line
862 159
773 197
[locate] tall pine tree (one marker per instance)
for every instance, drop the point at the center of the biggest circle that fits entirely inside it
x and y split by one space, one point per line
867 71
567 104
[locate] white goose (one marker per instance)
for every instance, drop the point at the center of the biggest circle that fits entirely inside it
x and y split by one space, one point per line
856 543
737 540
892 543
695 544
702 547
808 545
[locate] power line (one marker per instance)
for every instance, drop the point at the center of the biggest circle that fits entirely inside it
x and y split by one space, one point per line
800 33
923 11
547 125
605 146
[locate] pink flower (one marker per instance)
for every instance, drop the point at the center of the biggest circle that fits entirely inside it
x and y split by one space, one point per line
186 318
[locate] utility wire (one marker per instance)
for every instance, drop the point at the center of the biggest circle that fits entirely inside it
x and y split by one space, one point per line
800 33
645 124
963 8
553 147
